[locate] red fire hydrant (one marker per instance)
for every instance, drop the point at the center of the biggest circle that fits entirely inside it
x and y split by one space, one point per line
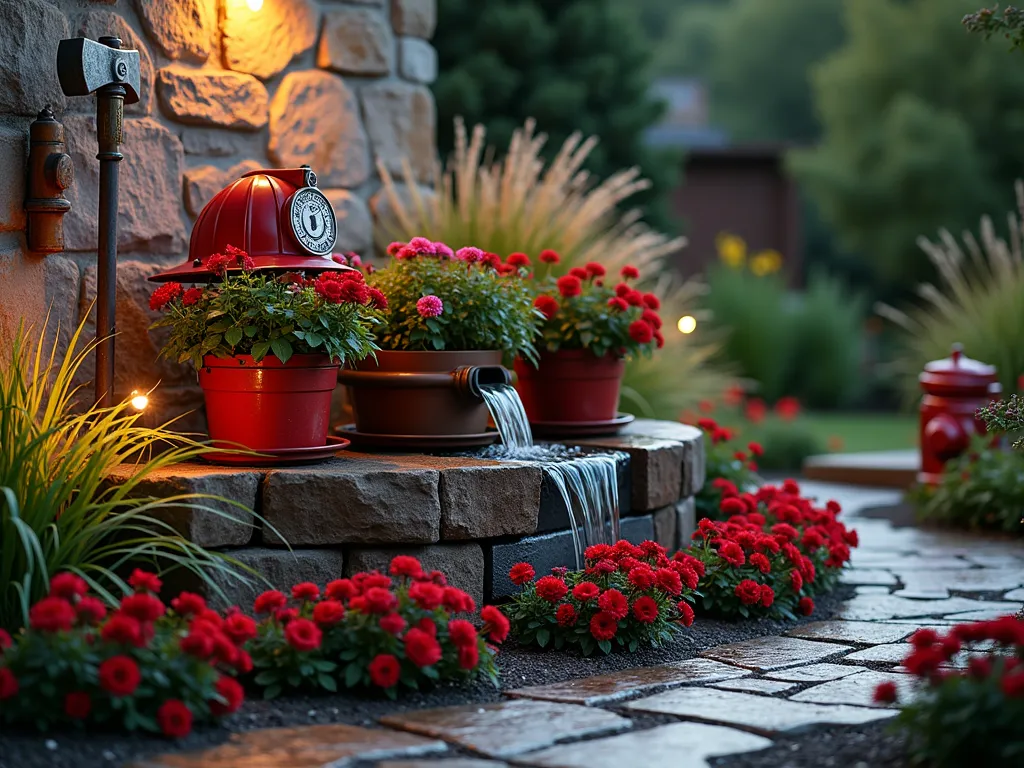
954 389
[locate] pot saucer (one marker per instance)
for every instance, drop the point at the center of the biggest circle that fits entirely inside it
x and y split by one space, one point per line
551 429
281 456
367 440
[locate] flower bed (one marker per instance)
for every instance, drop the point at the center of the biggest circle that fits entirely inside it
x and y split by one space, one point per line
628 595
966 717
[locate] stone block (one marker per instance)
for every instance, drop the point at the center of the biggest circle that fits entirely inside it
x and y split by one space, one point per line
637 529
356 41
34 286
221 523
278 569
462 564
417 18
314 119
489 501
263 43
352 501
355 227
222 98
149 204
13 158
202 183
417 60
401 121
686 522
182 29
217 142
28 50
543 552
96 23
665 522
656 468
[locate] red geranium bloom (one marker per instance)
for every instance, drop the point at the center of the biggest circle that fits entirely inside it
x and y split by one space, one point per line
303 635
549 257
595 270
385 670
604 625
652 301
243 663
761 562
565 615
579 272
788 408
641 332
233 694
68 586
119 676
685 613
144 581
551 588
143 606
426 595
796 580
924 638
77 705
629 272
428 626
239 628
380 600
615 603
885 693
641 577
52 614
377 298
164 295
269 601
748 591
569 286
421 649
91 610
645 610
392 623
622 290
755 448
805 606
306 591
328 613
406 565
8 684
585 591
767 596
496 624
341 589
124 630
732 505
521 573
547 305
518 260
457 601
669 581
732 553
198 644
469 656
191 296
1013 685
634 298
175 719
461 632
188 604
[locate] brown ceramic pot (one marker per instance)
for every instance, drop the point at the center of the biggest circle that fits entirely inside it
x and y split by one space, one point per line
422 393
570 385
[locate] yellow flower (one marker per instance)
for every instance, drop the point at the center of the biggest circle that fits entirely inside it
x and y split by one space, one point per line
766 262
732 249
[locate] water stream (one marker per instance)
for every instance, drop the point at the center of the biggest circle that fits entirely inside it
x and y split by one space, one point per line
587 483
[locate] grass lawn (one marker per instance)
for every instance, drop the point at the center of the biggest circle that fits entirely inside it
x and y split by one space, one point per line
863 431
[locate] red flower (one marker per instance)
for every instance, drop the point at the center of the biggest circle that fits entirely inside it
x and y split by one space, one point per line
518 260
188 604
406 565
565 615
306 591
384 670
569 286
604 625
615 603
496 624
585 590
144 581
732 505
617 304
430 306
547 305
421 649
924 638
645 609
175 719
124 630
341 589
457 601
634 298
796 580
767 596
8 684
380 600
641 332
426 595
240 628
748 591
579 272
629 272
732 553
191 296
685 613
669 581
640 576
77 705
52 614
551 588
1013 685
805 606
142 606
303 635
243 663
328 613
521 573
197 643
269 601
549 257
469 656
91 610
119 676
392 623
377 298
652 302
761 562
885 693
428 626
755 448
164 295
68 586
233 694
461 632
788 408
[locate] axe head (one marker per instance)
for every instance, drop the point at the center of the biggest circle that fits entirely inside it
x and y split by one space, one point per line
84 66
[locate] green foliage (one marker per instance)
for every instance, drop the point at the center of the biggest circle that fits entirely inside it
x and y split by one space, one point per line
1004 416
982 490
482 308
58 509
991 21
253 313
786 445
725 471
572 65
921 129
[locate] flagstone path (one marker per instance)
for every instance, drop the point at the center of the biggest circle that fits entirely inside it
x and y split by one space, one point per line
731 699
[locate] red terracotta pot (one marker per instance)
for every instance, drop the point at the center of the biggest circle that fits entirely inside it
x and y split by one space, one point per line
570 385
268 405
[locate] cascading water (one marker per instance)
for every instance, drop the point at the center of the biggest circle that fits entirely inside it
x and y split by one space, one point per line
588 483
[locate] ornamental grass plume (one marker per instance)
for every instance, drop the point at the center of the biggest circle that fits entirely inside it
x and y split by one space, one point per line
525 204
977 302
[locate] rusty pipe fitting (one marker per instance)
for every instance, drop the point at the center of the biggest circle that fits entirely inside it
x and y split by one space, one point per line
50 172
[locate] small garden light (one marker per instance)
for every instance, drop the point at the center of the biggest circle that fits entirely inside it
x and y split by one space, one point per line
687 324
139 401
254 5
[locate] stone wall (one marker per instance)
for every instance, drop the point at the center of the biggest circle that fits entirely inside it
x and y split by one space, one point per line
338 85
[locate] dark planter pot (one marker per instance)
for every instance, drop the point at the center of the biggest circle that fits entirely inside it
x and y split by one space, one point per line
570 385
269 405
422 393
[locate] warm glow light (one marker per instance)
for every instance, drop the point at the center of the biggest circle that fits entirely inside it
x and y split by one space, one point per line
687 324
254 5
139 402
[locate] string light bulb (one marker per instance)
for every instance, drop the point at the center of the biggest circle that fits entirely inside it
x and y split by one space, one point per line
139 401
254 5
687 324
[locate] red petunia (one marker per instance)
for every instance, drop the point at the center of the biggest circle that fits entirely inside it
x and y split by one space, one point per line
380 600
521 573
77 705
748 591
685 613
551 588
585 591
392 623
328 613
52 614
91 610
385 670
496 624
629 272
546 305
269 601
604 625
233 694
306 590
303 635
8 684
566 615
164 295
407 566
144 581
421 649
569 286
461 632
341 589
614 603
645 610
549 257
119 676
469 656
640 332
68 585
175 719
805 606
188 604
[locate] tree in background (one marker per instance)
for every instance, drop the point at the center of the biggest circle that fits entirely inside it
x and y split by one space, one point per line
923 128
573 65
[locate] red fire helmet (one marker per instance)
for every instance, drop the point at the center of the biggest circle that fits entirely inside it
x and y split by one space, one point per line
277 216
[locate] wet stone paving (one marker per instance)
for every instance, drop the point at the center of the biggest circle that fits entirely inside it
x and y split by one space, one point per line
731 699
